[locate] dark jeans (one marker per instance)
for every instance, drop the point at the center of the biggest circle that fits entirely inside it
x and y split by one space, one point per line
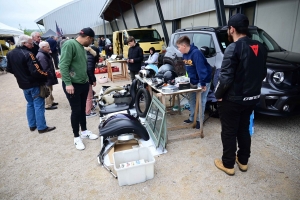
77 102
55 59
235 119
132 75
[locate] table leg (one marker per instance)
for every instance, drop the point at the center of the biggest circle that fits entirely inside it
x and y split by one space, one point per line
109 71
178 103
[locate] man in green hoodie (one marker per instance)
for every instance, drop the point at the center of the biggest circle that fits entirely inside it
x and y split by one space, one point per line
75 83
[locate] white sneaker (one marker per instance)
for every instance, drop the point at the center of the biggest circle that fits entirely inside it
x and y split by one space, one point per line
89 135
78 143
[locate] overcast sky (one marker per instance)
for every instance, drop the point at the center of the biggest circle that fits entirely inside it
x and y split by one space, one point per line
25 12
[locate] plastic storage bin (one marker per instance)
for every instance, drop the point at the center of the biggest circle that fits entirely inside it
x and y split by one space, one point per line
134 174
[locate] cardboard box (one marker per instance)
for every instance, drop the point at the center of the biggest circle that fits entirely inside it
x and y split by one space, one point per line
130 144
137 173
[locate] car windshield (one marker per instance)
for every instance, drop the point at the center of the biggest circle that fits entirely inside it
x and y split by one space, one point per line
145 35
256 34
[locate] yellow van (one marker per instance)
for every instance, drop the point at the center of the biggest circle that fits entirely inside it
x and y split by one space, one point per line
146 38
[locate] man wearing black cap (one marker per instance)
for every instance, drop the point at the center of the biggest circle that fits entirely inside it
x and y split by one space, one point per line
73 68
238 91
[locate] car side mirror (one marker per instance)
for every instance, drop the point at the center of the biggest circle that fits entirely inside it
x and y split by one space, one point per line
163 39
205 51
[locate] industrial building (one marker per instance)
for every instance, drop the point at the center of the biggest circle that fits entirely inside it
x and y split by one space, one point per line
279 18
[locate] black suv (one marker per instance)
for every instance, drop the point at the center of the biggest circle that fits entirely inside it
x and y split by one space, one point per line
280 92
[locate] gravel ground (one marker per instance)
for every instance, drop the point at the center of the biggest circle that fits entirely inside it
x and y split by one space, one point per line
47 166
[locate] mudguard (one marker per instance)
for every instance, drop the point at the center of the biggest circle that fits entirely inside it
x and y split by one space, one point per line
118 126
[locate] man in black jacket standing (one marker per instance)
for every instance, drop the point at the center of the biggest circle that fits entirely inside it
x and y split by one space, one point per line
36 37
238 91
23 64
135 57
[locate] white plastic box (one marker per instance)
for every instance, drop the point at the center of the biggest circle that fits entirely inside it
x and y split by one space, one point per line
134 174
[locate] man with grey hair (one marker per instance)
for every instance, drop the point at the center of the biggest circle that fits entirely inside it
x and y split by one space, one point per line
36 37
46 62
23 64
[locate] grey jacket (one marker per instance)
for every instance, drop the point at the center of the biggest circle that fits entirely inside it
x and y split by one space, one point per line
46 62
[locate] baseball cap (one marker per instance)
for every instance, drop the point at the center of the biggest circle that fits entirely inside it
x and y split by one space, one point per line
238 20
88 32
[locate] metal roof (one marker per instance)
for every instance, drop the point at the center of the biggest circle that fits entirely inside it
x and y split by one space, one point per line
40 19
111 9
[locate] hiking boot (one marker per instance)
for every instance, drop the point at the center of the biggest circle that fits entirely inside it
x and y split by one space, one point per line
89 135
188 121
219 165
78 143
242 167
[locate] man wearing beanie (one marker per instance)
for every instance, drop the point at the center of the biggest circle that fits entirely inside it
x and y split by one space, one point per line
238 91
73 68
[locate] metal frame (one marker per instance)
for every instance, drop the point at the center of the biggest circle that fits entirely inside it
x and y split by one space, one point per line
121 12
135 15
220 10
162 21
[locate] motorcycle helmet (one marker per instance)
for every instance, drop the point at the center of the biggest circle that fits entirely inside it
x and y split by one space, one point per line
169 77
152 67
163 69
147 73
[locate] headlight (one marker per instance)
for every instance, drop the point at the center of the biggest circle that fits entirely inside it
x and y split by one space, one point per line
278 77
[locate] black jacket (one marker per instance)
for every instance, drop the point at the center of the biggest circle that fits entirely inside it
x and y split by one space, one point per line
101 43
47 64
135 53
92 60
23 64
242 72
35 49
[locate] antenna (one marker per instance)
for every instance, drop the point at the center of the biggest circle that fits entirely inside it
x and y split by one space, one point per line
192 26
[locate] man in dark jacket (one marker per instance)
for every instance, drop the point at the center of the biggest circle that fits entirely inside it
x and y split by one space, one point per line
101 44
238 91
46 62
54 50
36 37
29 75
135 57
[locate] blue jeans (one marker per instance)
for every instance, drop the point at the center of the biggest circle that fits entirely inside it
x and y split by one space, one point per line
192 102
35 108
100 49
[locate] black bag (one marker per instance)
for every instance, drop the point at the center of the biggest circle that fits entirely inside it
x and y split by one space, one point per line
44 91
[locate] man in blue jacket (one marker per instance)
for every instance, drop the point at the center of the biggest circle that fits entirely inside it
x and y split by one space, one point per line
54 51
199 72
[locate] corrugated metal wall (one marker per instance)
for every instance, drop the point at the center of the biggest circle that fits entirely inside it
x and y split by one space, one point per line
281 19
74 17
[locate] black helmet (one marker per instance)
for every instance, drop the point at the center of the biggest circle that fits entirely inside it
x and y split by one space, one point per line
169 77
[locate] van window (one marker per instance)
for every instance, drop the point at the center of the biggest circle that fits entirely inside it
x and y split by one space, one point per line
145 35
200 40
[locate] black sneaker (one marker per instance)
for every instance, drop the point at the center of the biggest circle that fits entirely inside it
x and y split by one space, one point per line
188 121
197 125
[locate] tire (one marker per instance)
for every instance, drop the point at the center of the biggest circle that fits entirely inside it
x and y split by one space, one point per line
142 92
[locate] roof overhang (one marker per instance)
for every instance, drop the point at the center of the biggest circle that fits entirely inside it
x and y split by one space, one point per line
111 9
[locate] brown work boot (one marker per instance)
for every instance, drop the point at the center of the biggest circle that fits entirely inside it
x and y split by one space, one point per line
243 168
219 165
